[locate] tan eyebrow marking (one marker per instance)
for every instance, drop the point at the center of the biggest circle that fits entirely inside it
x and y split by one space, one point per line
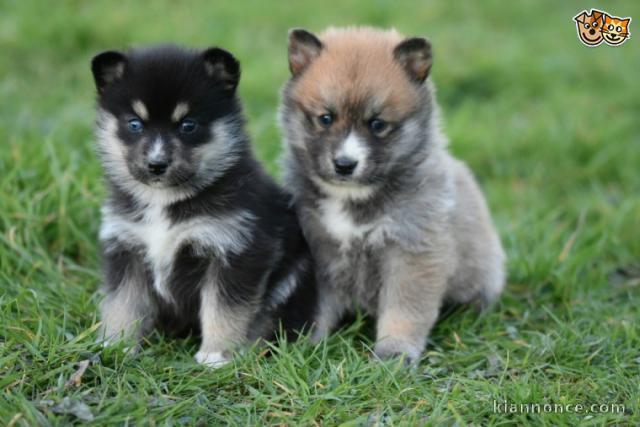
181 110
140 109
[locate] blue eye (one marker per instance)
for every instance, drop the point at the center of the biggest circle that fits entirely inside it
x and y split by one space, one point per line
188 126
325 120
135 125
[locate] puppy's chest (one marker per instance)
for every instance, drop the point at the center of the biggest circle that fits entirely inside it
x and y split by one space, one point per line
356 254
160 240
341 226
357 275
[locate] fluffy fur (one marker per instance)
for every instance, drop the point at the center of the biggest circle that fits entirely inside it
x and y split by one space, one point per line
395 223
195 235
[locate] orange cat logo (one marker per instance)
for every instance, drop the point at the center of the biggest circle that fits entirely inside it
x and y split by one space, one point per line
597 27
615 30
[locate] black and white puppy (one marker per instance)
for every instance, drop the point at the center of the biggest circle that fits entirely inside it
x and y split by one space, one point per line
195 235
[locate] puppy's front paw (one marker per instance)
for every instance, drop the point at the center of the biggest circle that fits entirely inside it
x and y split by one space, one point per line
318 335
132 349
214 359
391 348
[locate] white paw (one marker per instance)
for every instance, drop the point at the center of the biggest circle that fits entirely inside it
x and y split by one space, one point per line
114 342
390 348
132 349
214 359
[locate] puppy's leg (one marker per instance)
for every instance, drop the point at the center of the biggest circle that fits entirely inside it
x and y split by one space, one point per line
224 320
409 301
329 311
127 311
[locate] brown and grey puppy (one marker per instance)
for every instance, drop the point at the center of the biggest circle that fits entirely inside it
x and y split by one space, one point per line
395 223
195 235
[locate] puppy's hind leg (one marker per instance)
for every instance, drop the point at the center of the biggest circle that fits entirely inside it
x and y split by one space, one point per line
479 278
479 275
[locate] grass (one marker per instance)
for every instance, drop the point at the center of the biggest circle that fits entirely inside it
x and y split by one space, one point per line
550 127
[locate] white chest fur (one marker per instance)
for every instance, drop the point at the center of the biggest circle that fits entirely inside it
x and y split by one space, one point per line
341 226
162 239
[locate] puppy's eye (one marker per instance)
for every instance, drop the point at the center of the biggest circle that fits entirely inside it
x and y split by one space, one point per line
595 25
587 26
188 126
378 126
325 120
135 125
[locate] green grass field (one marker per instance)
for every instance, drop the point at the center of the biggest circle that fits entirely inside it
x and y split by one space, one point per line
551 128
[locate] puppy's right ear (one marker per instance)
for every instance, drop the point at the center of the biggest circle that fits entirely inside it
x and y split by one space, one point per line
223 67
107 67
414 55
304 47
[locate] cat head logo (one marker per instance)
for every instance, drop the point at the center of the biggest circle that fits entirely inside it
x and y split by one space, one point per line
615 31
597 26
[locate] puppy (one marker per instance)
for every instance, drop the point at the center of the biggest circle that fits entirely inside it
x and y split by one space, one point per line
395 223
195 235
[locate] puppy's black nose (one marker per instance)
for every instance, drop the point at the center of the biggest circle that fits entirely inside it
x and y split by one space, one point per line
158 167
344 165
592 31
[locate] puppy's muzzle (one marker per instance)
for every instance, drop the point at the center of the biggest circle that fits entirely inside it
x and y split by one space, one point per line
344 166
158 166
158 158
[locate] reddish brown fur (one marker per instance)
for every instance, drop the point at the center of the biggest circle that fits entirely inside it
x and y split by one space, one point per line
356 65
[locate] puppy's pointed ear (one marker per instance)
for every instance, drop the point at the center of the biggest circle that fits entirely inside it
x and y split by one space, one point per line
223 67
108 67
304 47
414 55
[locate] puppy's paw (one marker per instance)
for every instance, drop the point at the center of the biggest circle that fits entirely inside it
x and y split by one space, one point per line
132 349
317 335
392 348
110 343
214 359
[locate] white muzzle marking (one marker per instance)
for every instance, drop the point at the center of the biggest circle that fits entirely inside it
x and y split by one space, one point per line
355 149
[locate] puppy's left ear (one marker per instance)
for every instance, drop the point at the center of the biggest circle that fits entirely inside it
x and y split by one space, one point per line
304 47
414 55
223 67
107 67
